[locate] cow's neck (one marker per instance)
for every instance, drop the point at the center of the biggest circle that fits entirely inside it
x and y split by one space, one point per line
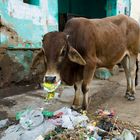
71 72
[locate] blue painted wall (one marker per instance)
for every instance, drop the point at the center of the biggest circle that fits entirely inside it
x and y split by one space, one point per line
24 22
115 7
111 7
29 21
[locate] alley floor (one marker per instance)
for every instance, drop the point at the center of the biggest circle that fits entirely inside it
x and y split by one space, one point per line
104 93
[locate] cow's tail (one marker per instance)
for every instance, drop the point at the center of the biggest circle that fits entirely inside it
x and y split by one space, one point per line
137 61
137 69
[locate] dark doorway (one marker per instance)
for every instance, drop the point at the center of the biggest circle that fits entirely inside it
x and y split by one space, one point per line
80 8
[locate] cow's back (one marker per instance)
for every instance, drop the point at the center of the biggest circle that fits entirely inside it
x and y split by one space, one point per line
107 38
131 30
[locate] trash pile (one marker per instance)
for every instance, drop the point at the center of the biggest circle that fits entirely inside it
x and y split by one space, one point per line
66 124
34 123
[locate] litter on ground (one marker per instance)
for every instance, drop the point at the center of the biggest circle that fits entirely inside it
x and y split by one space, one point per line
3 123
66 124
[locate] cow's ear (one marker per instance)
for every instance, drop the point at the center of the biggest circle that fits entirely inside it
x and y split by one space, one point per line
40 56
74 56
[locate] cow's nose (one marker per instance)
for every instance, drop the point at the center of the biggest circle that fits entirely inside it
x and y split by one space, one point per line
50 79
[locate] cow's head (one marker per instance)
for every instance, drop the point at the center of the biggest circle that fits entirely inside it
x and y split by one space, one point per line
56 50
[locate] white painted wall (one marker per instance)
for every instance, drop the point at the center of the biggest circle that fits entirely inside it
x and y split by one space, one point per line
135 10
20 10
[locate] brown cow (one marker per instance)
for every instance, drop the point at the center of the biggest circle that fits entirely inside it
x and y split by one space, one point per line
85 44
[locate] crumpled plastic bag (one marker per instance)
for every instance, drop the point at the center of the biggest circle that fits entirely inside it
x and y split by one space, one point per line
16 132
3 123
31 118
70 118
13 132
64 111
42 129
67 122
126 135
102 73
32 124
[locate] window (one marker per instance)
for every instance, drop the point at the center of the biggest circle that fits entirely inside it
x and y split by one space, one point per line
33 2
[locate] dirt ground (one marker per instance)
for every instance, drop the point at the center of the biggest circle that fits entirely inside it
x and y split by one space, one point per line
104 93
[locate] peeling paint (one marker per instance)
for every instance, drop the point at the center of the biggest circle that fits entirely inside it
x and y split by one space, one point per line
28 12
29 21
52 17
8 35
22 25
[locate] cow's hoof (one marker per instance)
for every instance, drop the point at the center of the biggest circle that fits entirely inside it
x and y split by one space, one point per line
84 107
76 108
129 96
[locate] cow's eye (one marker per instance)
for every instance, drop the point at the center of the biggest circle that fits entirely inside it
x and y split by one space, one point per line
63 53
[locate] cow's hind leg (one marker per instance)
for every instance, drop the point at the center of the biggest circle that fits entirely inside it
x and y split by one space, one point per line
129 64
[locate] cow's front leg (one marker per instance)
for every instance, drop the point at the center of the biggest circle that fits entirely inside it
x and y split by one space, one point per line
77 97
88 76
129 64
85 89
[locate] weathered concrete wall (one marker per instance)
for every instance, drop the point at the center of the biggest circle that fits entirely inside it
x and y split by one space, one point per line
29 21
15 67
22 25
11 71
